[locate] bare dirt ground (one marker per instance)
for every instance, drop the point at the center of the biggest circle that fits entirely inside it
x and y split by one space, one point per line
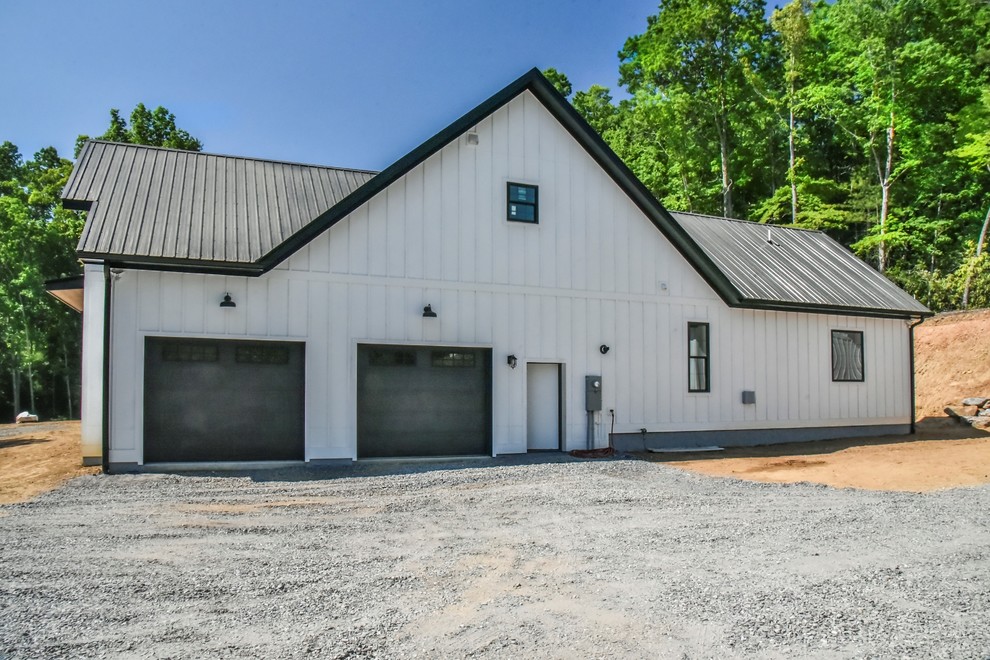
35 458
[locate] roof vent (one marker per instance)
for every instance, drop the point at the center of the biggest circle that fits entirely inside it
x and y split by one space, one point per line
472 139
770 238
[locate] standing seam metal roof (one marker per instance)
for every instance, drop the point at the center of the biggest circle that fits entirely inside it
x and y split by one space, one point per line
268 210
784 265
158 205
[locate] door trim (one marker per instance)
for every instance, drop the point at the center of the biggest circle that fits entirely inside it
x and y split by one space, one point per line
560 404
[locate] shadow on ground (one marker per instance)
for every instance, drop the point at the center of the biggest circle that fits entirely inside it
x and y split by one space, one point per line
379 468
17 442
928 429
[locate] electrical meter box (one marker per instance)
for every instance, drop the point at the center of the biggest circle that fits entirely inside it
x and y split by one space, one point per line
593 393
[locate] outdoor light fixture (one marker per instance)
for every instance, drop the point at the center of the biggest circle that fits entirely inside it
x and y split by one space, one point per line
428 312
512 361
227 302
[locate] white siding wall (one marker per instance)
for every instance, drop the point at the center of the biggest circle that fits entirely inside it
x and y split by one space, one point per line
594 271
92 363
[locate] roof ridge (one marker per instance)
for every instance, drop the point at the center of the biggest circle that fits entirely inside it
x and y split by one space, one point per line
220 155
749 222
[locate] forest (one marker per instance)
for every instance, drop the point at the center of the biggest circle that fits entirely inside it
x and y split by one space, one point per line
866 119
40 338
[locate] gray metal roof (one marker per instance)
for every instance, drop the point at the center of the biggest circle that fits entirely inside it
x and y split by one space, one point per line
189 211
803 268
160 206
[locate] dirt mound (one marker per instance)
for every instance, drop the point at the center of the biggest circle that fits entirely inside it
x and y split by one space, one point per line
952 360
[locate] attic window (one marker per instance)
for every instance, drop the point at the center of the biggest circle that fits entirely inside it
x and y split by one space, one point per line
523 203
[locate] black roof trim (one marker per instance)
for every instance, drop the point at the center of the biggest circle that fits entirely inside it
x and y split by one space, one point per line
838 310
174 265
542 89
65 283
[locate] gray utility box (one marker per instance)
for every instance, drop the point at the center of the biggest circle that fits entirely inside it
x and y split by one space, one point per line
592 393
749 396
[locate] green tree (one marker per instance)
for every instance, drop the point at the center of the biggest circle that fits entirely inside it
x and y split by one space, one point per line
155 128
705 53
559 81
891 72
40 337
792 23
974 131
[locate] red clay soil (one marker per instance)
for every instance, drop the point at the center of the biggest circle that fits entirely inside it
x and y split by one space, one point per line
952 360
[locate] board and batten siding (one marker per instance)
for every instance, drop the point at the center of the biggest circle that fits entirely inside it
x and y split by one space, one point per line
593 271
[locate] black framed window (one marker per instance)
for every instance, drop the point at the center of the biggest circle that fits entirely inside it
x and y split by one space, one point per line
847 356
191 351
392 357
452 359
699 371
523 203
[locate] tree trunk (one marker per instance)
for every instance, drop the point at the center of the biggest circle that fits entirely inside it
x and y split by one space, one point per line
792 165
30 374
885 184
68 378
30 356
723 140
884 211
15 380
979 251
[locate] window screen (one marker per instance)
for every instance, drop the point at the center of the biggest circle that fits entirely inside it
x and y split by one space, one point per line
847 355
698 368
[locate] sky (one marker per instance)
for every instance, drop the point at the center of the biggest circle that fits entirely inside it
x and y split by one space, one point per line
339 82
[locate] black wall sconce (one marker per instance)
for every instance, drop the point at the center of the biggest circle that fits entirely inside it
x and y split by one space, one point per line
227 302
428 312
512 361
603 349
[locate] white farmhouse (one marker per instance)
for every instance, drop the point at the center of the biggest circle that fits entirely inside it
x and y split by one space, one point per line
477 297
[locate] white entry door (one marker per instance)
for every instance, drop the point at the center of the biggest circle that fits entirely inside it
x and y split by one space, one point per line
542 406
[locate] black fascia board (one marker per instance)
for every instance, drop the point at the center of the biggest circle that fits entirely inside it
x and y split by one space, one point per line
838 310
65 283
568 117
177 265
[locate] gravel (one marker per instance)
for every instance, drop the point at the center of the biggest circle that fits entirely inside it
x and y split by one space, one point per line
515 557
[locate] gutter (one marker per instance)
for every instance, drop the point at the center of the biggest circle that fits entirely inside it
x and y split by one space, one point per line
911 327
105 426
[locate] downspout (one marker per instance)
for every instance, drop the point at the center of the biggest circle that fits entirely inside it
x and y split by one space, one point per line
911 327
107 290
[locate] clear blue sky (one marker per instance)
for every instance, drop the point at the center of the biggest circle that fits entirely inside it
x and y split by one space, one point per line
346 83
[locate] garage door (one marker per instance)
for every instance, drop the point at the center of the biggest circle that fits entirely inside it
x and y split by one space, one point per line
423 401
212 400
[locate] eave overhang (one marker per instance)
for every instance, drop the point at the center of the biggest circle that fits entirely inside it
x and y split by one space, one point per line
68 290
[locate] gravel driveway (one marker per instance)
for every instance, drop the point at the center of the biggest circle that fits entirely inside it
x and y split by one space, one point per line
500 558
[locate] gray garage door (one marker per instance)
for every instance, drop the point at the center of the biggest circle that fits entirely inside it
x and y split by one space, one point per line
423 401
212 400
